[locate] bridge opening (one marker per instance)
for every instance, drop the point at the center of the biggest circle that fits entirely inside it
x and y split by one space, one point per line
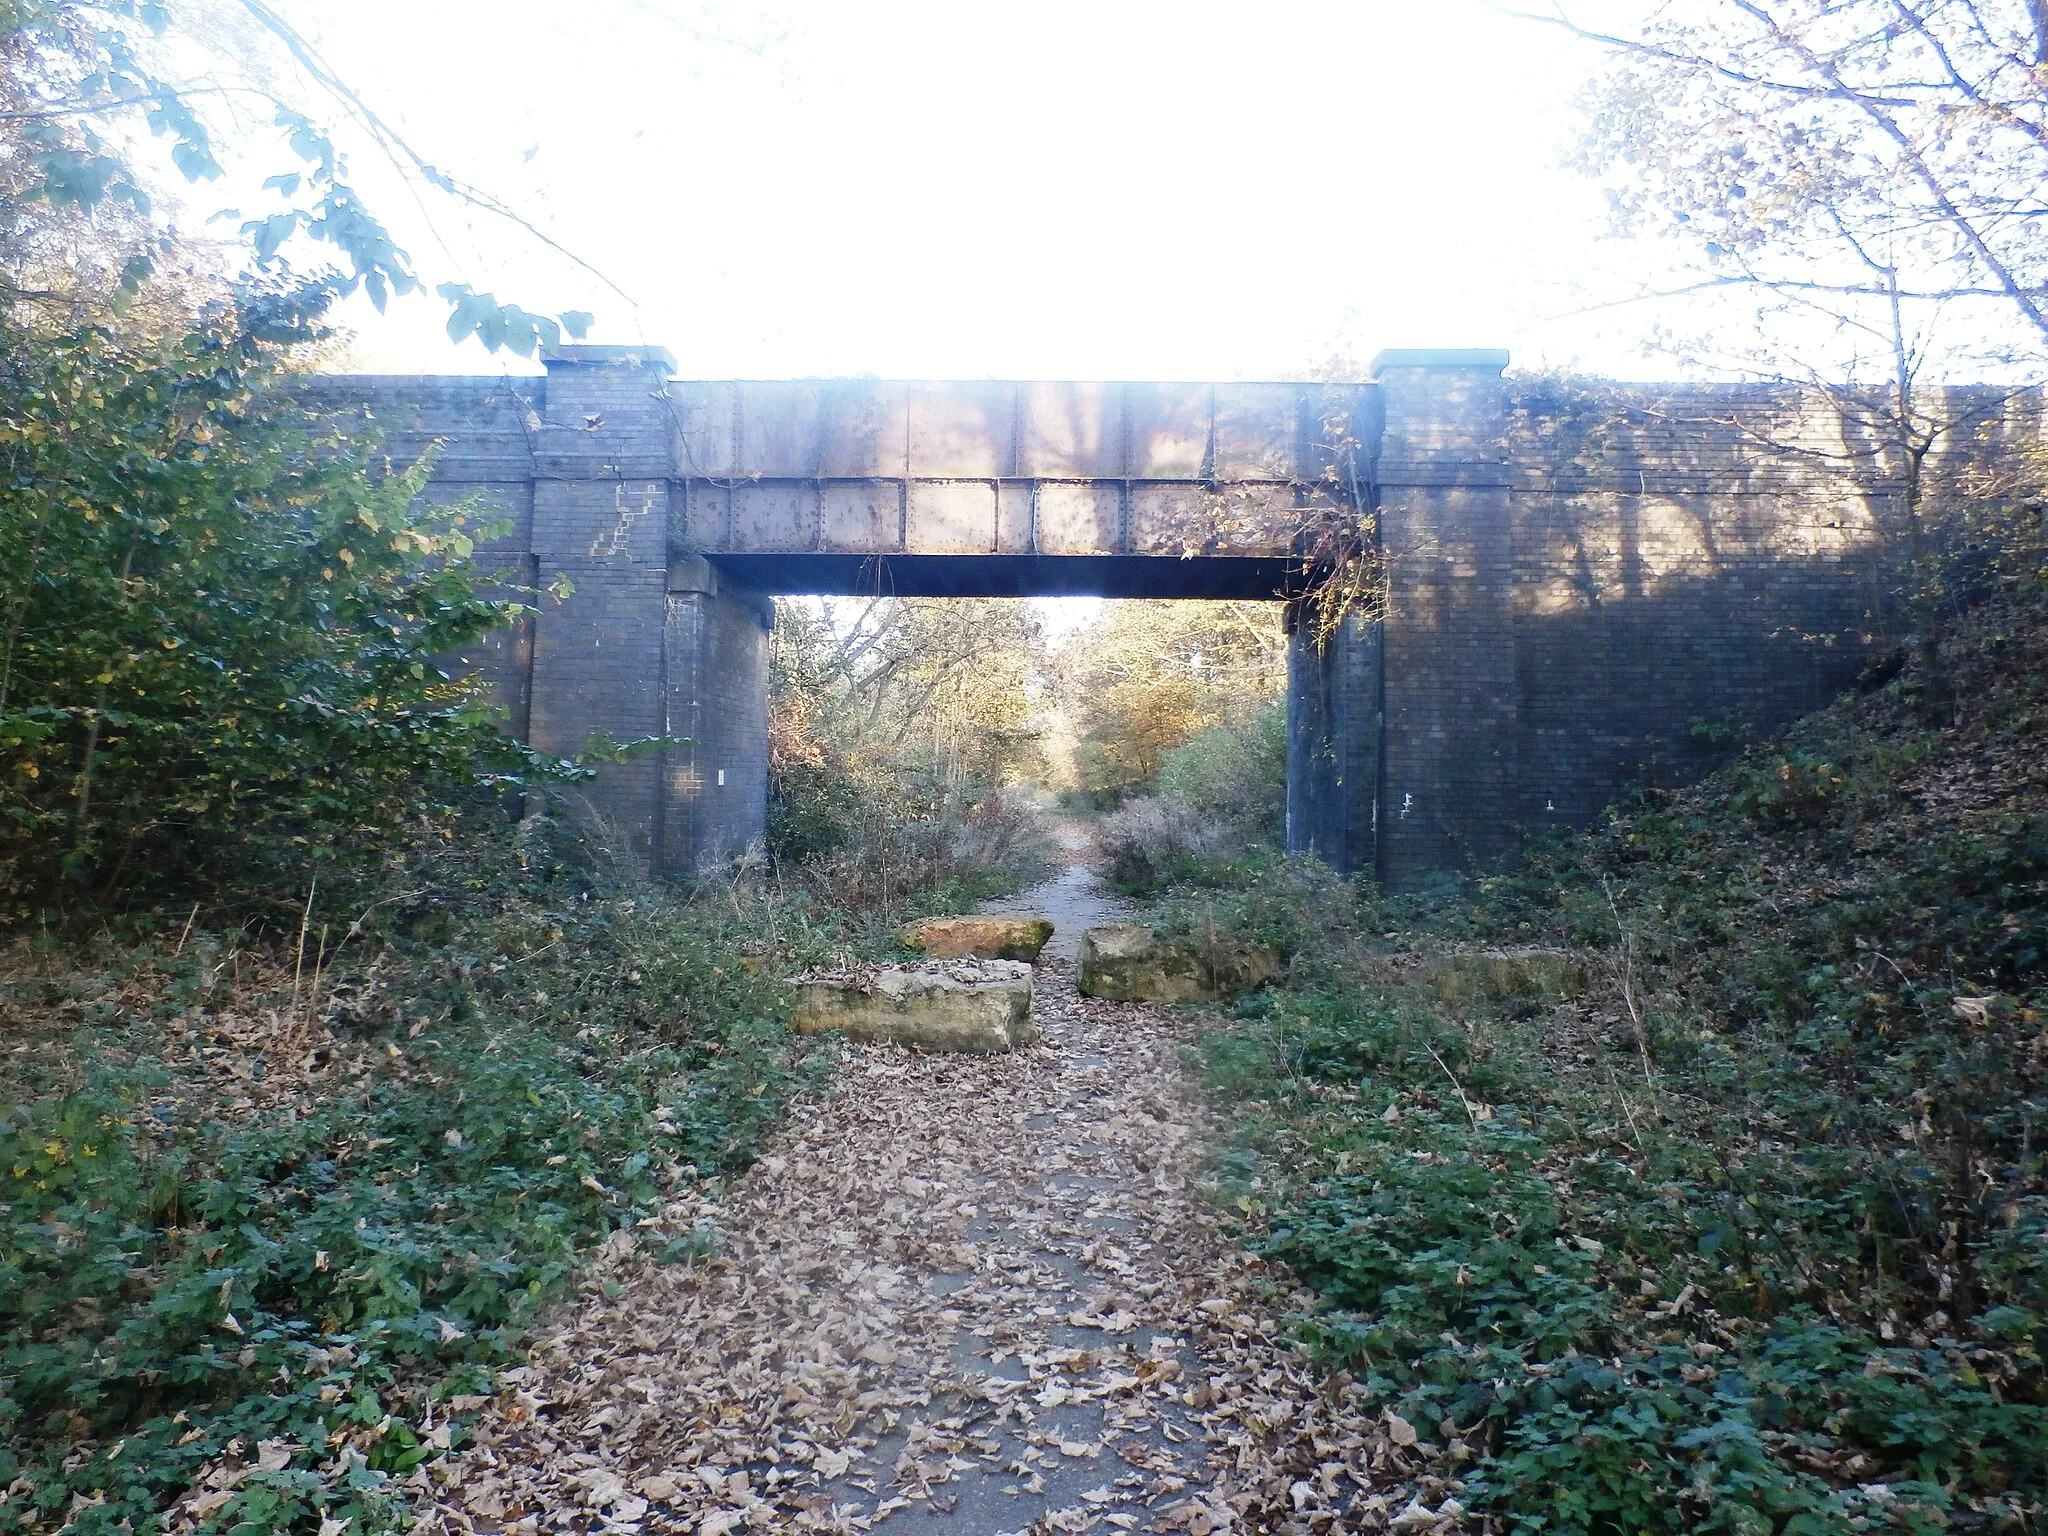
922 741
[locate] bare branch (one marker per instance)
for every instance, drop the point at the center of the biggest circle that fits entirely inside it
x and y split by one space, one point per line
1871 106
1631 45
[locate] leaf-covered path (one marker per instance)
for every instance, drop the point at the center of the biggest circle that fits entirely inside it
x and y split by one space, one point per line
965 1294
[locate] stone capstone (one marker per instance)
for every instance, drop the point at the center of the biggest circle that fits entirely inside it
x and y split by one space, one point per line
1506 976
955 1005
978 938
1129 963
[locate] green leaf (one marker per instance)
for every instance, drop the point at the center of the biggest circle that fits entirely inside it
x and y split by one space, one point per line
266 235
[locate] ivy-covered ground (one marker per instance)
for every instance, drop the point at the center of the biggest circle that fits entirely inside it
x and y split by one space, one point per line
1752 1235
274 1203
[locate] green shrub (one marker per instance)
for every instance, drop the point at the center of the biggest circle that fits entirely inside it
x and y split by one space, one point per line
1485 1263
1790 786
1151 842
1234 776
1287 903
218 622
1753 1238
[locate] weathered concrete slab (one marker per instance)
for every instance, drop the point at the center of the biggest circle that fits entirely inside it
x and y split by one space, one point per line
1129 963
979 937
1507 975
977 1006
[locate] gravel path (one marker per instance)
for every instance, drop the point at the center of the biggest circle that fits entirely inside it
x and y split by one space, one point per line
1075 899
960 1294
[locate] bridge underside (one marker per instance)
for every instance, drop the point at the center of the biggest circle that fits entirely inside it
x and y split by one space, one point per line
1245 578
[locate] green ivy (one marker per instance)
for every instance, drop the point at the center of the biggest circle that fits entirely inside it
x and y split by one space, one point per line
181 1290
1774 1260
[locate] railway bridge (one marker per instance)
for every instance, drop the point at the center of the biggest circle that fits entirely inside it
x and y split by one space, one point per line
1569 590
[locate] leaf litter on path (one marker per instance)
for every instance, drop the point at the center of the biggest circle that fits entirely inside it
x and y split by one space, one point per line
971 1294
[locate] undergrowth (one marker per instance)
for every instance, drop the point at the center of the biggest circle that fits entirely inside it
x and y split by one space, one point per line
1753 1235
273 1206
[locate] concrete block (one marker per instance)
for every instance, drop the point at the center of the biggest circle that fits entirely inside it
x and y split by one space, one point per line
1506 976
1129 963
979 1006
977 937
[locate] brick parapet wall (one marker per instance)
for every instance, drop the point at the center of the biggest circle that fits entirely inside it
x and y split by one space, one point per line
1590 586
608 419
1692 566
486 429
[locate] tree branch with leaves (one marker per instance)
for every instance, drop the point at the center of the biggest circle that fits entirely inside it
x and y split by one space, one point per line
76 76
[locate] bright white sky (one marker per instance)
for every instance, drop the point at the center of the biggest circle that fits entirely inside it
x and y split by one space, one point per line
959 188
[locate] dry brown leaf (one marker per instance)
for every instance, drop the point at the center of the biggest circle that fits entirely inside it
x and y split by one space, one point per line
945 1269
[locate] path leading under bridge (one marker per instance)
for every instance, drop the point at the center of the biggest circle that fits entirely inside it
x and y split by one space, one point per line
975 1295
